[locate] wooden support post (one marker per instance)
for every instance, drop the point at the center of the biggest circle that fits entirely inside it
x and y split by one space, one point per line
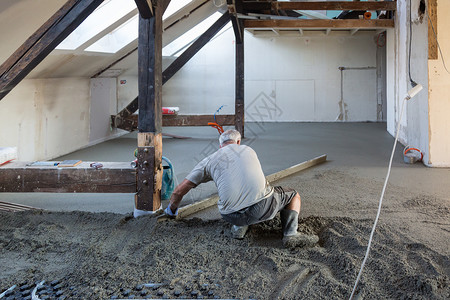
43 41
145 8
149 169
239 100
201 205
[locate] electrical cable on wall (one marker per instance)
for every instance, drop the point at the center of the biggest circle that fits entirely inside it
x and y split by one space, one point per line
411 93
413 83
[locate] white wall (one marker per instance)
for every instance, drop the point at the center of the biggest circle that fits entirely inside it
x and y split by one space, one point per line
296 76
45 118
414 123
127 90
439 99
103 105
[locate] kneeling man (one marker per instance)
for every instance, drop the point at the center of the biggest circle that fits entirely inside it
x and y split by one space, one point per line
245 197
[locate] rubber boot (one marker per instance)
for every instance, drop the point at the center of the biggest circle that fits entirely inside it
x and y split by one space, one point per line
291 238
238 232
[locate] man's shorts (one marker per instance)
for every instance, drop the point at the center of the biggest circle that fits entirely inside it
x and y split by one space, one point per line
264 210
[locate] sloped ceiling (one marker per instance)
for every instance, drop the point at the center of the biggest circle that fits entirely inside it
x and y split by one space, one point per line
21 18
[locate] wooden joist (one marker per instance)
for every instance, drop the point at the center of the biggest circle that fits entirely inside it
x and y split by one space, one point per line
320 23
206 203
432 30
193 49
43 41
131 123
197 120
113 177
251 6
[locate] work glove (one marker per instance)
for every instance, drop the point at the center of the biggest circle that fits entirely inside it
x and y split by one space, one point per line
169 212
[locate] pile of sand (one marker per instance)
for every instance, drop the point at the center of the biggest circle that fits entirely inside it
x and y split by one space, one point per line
103 255
96 256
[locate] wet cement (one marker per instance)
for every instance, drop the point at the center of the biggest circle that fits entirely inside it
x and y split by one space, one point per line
361 149
107 255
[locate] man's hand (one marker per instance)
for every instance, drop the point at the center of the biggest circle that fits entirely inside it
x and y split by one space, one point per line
168 211
181 190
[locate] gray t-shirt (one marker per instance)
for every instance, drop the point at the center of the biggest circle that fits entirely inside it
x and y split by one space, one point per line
237 173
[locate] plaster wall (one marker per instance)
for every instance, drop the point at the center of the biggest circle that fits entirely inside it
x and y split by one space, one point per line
103 105
127 90
414 121
438 89
45 118
295 78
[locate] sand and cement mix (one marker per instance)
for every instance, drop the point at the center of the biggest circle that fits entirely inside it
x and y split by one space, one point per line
84 255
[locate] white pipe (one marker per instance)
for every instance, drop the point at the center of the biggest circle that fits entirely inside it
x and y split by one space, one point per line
10 289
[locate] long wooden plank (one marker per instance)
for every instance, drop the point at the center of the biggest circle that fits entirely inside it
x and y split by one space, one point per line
319 5
113 177
203 204
40 44
193 208
319 23
297 168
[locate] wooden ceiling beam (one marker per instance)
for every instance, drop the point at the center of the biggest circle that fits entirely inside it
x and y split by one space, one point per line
145 8
319 5
43 41
235 8
333 23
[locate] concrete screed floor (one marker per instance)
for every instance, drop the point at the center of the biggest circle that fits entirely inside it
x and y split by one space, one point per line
360 149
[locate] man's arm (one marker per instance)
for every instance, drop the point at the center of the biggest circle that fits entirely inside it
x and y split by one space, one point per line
182 189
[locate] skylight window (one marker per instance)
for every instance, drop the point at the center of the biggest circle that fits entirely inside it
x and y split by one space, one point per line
190 36
174 6
117 39
122 14
104 16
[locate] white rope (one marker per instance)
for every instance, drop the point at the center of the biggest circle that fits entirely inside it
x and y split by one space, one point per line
380 203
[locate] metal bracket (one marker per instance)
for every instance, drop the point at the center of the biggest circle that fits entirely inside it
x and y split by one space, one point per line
145 177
